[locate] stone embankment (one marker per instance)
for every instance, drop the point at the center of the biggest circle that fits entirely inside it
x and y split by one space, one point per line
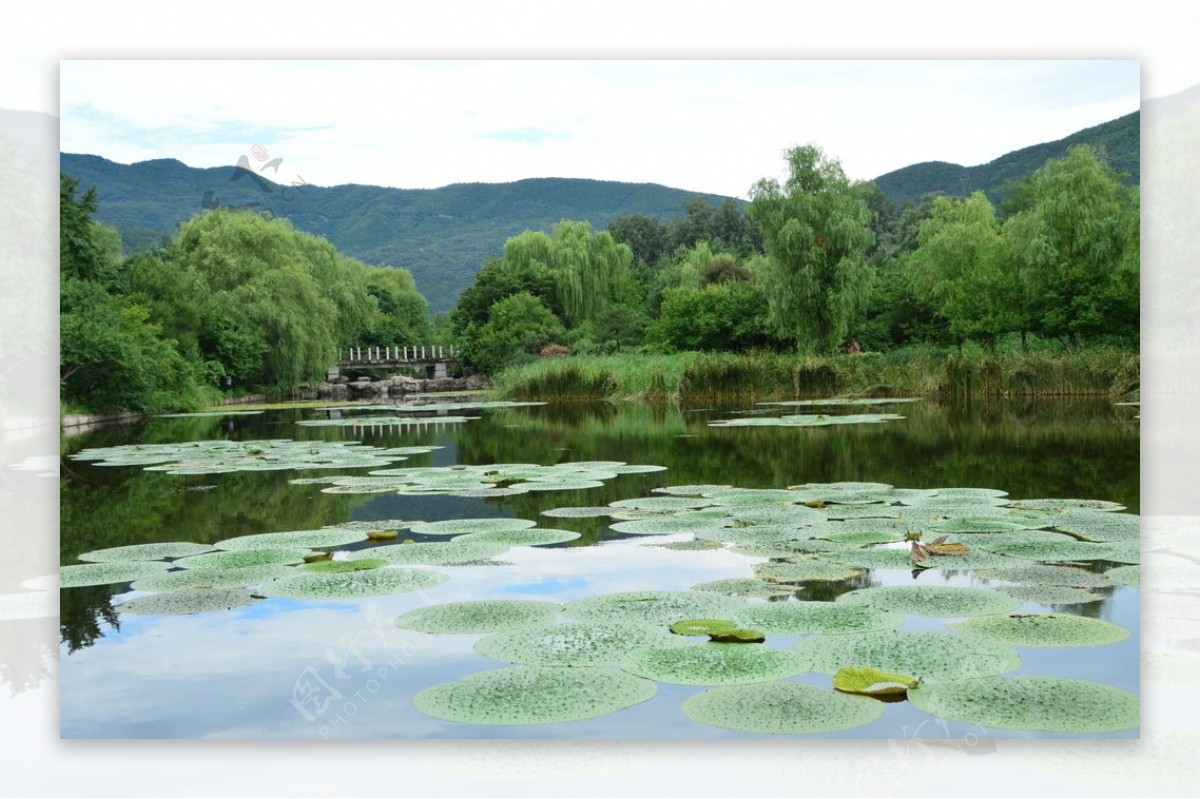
342 388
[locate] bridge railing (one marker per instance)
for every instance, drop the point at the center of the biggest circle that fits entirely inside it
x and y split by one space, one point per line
417 354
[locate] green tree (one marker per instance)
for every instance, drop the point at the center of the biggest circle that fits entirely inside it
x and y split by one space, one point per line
517 327
1078 221
960 269
817 230
729 316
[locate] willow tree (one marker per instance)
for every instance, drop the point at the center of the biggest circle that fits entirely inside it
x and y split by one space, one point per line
590 270
816 229
961 270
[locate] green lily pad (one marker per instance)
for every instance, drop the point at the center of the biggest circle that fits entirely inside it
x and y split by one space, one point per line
831 401
372 582
661 525
172 549
803 571
462 526
753 496
1050 704
787 549
715 664
237 577
1042 629
760 534
738 635
932 600
662 504
1125 575
1051 594
534 695
479 616
817 618
774 515
746 587
540 537
108 573
228 559
806 420
1098 526
654 607
1046 550
1066 504
701 626
181 603
435 553
872 682
324 538
685 546
927 654
781 708
579 513
1040 574
574 645
1124 552
360 564
859 538
689 490
984 524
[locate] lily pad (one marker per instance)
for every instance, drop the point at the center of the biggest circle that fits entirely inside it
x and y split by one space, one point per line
435 553
858 538
738 635
802 571
237 577
701 626
1066 549
540 537
108 573
183 603
689 490
872 682
1042 629
1125 575
831 401
926 654
759 534
753 496
662 504
654 607
1066 504
781 708
360 564
1050 704
1039 574
372 582
229 559
746 587
932 600
323 538
662 525
1051 594
534 695
579 513
715 664
479 616
787 549
573 645
172 549
984 524
817 618
1099 526
462 526
689 546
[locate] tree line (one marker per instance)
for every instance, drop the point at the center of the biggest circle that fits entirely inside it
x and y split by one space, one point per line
818 263
234 299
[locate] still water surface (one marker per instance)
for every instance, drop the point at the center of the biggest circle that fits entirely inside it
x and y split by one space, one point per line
236 674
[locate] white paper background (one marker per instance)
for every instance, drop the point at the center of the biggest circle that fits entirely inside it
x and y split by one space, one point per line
1163 763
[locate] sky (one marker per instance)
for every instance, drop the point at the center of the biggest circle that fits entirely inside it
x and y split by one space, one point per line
706 126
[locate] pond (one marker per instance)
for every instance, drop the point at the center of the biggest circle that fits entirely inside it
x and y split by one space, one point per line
307 661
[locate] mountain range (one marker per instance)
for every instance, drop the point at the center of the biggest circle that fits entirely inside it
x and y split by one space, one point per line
445 235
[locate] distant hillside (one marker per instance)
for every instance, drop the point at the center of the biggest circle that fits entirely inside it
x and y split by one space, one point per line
1120 139
443 235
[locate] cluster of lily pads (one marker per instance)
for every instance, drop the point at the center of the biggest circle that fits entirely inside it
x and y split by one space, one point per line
617 648
215 457
817 419
436 407
487 480
195 578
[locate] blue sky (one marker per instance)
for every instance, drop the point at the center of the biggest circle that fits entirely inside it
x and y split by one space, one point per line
715 126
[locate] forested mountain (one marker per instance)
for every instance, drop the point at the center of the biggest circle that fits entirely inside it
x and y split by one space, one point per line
445 235
442 235
1120 139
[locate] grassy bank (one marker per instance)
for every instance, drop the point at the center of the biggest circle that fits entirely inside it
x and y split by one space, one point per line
924 372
